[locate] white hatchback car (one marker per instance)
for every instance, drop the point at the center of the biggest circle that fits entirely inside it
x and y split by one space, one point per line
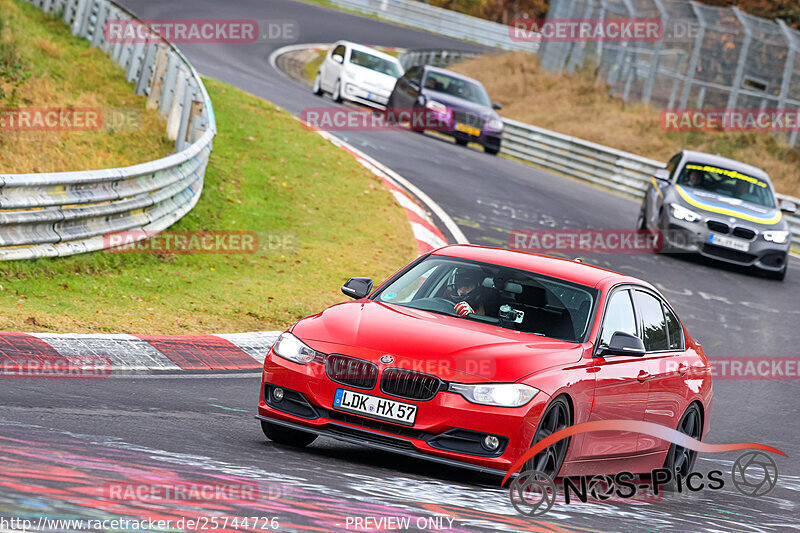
357 73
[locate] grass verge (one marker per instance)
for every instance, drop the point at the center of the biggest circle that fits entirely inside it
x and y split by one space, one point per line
267 173
580 105
311 68
42 65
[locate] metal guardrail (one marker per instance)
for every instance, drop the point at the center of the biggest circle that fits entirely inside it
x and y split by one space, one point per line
708 57
437 58
64 213
617 170
442 21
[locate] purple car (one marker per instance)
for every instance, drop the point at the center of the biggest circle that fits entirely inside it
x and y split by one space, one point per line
460 105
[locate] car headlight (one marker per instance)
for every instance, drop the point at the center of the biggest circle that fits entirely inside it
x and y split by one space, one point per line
290 347
681 213
777 236
496 124
436 106
502 395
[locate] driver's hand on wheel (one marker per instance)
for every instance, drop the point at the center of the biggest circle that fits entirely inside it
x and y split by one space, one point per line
463 308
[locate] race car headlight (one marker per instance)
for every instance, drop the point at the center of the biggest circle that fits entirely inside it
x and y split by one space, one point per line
681 213
433 105
778 236
501 395
290 347
496 124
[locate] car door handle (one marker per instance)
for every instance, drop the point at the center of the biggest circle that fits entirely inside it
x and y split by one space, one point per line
683 368
643 376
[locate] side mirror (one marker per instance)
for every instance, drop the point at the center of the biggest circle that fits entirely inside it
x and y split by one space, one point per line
623 344
421 100
662 174
788 207
339 59
357 287
496 106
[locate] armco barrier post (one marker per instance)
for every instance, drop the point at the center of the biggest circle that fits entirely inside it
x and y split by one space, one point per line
135 62
175 112
69 10
170 81
143 81
157 83
185 116
195 121
98 38
86 13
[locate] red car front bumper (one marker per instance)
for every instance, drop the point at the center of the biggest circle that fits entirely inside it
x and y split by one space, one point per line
443 424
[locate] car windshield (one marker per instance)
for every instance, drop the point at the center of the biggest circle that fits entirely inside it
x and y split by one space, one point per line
728 183
502 296
378 64
472 92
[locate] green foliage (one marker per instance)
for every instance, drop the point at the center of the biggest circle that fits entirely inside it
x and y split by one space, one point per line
12 70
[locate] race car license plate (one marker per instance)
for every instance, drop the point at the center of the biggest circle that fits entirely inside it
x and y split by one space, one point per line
729 242
470 130
356 402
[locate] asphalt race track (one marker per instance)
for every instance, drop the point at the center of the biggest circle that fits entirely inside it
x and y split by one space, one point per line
198 427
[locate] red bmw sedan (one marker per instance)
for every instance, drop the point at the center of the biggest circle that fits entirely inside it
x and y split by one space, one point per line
469 355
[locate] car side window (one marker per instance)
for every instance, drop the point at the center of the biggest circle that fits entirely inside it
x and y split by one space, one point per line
339 51
673 164
674 329
414 75
618 316
654 326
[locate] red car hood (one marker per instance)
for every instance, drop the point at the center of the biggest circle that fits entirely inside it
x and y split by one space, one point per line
455 349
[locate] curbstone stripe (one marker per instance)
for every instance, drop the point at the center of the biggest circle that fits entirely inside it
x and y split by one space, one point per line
136 353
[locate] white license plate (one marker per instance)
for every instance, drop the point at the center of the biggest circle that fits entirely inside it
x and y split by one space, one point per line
356 402
729 242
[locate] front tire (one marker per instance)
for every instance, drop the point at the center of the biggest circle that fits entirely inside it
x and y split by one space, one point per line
287 436
491 151
461 142
557 417
337 92
680 460
317 88
780 275
641 223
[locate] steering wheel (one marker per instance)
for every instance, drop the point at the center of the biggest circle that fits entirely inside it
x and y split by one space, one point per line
433 304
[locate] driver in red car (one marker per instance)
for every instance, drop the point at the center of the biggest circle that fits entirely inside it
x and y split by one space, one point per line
465 289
